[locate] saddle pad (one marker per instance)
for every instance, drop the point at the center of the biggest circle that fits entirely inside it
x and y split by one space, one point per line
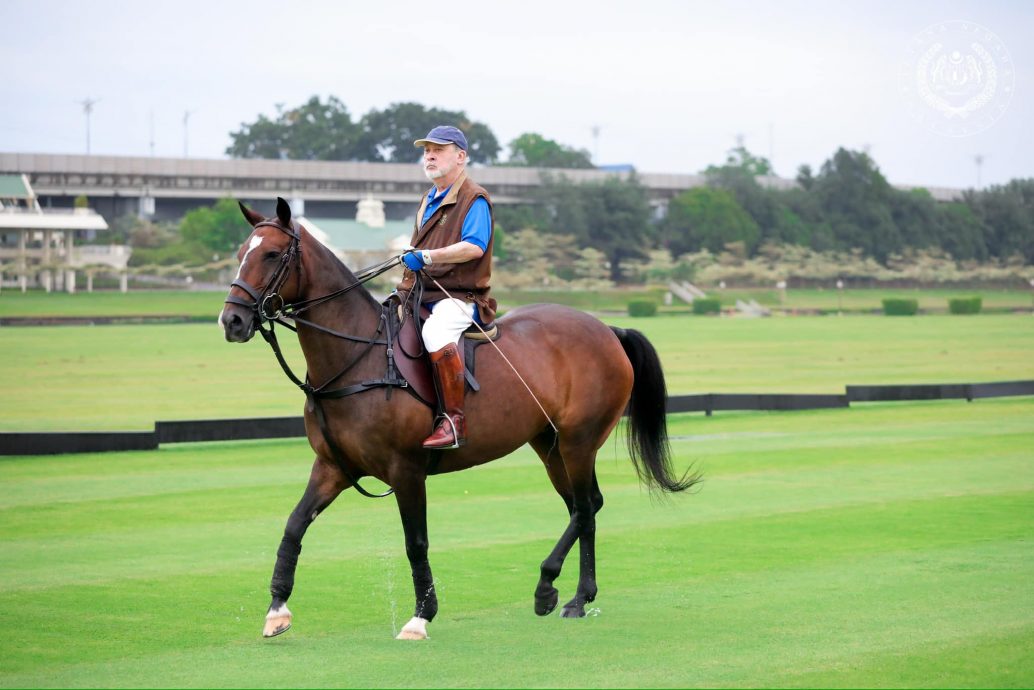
414 365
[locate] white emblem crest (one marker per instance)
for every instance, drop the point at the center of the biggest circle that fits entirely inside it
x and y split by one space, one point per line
959 78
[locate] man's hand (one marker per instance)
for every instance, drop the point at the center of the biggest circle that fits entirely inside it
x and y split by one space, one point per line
416 259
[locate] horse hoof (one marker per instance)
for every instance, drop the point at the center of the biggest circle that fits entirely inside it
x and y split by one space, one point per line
415 629
277 621
575 611
545 603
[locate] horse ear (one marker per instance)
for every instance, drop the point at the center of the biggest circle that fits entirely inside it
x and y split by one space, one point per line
283 211
250 215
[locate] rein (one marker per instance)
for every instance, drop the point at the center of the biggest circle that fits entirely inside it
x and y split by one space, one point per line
269 307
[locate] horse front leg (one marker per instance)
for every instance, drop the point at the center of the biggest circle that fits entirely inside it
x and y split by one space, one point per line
325 483
411 496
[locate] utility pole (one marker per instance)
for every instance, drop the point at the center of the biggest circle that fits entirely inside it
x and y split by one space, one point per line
596 145
979 160
87 104
152 132
186 120
771 148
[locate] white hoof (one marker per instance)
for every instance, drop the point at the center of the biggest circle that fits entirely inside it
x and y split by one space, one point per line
277 621
415 629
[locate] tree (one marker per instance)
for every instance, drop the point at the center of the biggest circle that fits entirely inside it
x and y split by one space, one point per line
739 176
534 150
1007 215
220 228
739 158
855 199
961 233
325 131
535 258
312 131
914 213
612 216
388 134
708 218
590 268
805 177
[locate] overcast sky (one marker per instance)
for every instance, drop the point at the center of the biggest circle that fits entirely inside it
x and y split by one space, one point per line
670 85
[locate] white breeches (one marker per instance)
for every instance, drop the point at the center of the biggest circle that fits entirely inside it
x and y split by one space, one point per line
448 319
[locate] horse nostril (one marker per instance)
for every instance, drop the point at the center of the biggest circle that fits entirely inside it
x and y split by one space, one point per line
234 327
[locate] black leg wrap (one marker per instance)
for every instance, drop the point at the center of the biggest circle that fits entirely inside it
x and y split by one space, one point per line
283 573
426 598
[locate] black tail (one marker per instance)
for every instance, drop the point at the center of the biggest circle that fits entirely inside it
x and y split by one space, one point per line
647 424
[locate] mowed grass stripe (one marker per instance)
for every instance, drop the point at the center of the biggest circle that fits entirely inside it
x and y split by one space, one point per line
781 567
157 523
127 377
741 437
711 626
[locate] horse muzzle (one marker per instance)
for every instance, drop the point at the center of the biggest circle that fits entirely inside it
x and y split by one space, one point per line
236 328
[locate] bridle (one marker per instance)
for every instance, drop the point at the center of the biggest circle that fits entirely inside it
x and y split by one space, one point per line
269 307
270 293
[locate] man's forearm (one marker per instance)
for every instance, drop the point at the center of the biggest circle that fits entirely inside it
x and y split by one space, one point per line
458 253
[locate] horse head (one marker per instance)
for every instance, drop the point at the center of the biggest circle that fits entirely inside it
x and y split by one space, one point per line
261 288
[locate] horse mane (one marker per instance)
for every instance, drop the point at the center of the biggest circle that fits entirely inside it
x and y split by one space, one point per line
334 262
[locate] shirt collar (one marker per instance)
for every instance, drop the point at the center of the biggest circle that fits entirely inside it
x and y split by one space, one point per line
434 195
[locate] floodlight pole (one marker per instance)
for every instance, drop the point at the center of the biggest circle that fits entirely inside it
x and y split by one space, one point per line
186 119
87 104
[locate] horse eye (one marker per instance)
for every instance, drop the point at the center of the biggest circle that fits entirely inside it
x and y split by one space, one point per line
271 255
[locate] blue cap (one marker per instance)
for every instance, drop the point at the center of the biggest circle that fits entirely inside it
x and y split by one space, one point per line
443 134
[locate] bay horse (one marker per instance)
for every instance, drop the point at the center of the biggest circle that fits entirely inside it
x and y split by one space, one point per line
583 373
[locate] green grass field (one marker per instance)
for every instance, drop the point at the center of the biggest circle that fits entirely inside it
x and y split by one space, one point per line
881 546
128 377
884 545
200 304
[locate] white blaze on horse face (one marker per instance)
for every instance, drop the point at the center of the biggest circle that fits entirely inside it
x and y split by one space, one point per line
255 242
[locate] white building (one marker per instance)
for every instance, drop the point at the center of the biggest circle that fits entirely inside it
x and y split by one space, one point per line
368 239
37 245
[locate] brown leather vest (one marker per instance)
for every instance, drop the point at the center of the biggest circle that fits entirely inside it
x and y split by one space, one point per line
467 281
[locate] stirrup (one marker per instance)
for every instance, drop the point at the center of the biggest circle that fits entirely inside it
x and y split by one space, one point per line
457 442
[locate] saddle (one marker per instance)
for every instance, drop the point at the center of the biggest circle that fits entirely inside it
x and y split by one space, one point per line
411 358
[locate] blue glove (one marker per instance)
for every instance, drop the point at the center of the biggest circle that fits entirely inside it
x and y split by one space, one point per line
416 260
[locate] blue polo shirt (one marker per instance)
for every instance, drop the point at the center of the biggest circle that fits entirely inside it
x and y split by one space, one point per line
477 226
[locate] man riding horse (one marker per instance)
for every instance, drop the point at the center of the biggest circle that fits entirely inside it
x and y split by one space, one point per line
452 245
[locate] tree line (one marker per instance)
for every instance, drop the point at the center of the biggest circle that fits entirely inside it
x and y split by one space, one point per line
318 130
847 205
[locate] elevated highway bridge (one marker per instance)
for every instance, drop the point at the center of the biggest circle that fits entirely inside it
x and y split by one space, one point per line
166 188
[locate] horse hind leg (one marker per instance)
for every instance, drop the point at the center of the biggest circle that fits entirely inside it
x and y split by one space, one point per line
583 500
580 461
546 595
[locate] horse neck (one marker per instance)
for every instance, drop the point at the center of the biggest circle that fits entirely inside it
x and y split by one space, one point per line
354 313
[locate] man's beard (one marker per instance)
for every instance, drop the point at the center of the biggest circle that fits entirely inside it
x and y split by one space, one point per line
437 173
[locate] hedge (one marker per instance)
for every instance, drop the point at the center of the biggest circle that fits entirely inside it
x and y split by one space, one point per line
642 308
900 307
965 305
707 305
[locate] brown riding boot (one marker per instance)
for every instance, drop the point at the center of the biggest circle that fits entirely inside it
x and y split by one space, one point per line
448 372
